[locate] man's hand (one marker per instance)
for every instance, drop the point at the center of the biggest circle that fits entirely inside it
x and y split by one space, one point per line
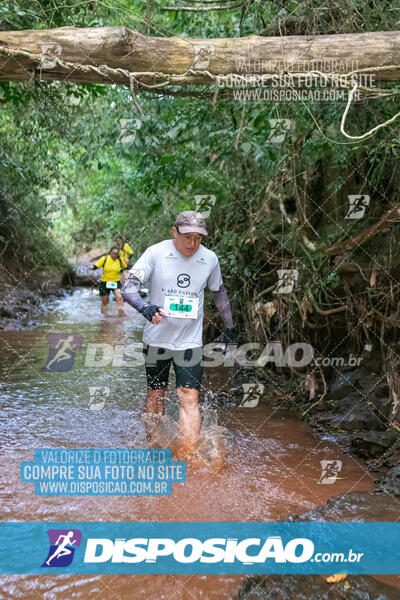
158 317
153 313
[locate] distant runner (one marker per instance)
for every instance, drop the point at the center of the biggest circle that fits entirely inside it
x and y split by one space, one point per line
112 266
125 251
179 270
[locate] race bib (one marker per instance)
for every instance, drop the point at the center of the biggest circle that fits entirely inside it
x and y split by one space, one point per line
111 285
182 308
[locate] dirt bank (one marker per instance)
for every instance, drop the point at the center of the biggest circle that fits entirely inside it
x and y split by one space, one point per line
22 303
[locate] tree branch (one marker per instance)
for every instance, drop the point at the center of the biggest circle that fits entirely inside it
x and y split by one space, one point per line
390 217
203 8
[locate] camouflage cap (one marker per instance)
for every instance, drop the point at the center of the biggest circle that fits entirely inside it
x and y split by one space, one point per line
191 221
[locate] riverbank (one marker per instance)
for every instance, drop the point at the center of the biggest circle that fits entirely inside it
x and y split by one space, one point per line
26 298
22 303
354 506
355 413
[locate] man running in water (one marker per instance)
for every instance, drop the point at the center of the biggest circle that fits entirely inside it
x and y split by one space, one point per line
178 270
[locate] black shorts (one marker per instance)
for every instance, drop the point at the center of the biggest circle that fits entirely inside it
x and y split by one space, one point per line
105 291
187 367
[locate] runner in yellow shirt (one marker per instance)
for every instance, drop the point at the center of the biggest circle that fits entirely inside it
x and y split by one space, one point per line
125 251
112 266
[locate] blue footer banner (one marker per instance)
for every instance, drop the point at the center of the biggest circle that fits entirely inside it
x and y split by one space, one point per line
196 548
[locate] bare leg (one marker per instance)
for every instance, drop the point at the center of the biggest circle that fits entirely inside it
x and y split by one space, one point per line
189 414
120 303
155 401
154 408
104 302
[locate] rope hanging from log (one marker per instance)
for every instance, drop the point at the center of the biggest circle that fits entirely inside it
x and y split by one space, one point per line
345 80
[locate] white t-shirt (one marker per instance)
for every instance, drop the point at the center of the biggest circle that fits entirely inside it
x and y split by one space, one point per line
177 282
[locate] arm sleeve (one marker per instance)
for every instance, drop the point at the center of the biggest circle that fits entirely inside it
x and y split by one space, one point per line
223 305
215 284
130 292
141 271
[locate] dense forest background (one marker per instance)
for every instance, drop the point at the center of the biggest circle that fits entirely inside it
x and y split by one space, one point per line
278 206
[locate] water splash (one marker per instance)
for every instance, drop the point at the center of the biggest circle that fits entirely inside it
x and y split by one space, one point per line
206 452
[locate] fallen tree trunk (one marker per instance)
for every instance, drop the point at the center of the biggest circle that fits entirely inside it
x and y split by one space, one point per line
186 61
391 216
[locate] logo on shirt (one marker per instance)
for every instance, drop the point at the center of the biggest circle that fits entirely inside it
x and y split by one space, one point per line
183 280
171 256
201 261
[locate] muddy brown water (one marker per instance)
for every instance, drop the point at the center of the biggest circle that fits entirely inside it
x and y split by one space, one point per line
271 471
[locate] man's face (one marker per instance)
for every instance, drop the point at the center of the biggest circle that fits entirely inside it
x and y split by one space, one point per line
118 242
114 254
187 243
